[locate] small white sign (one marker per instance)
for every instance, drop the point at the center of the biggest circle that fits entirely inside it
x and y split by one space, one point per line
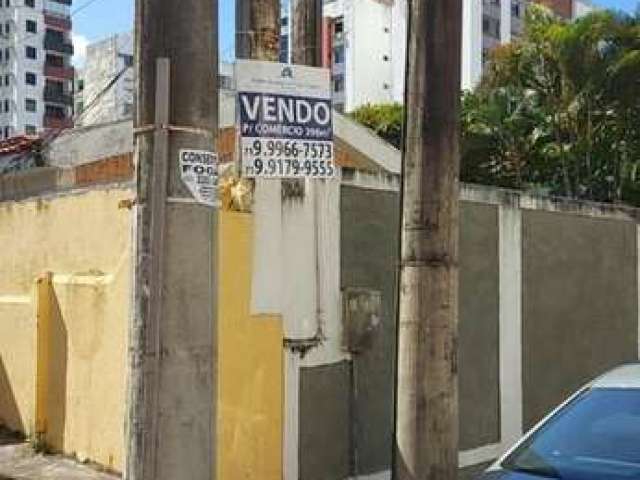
286 124
199 172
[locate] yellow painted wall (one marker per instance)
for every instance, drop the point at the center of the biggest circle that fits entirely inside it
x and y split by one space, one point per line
250 382
83 307
84 240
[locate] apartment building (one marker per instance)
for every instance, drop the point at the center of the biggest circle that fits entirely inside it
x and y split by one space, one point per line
94 102
365 43
35 66
98 101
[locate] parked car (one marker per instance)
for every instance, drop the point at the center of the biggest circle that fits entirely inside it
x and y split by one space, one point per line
595 435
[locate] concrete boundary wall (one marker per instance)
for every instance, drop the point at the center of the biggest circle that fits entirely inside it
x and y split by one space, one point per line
54 181
64 306
609 236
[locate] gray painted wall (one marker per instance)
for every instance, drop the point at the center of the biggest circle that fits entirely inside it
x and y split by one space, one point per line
578 299
369 246
580 304
325 432
479 388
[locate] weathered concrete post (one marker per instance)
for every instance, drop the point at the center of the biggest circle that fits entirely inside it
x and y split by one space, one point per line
307 32
427 390
258 29
171 407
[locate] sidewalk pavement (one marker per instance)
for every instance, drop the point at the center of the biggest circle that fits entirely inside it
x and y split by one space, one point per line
19 462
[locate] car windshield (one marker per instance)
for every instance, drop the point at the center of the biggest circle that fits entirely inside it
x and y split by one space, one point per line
596 436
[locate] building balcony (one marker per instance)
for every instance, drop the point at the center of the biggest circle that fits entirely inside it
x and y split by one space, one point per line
61 73
61 9
55 20
55 45
60 123
54 96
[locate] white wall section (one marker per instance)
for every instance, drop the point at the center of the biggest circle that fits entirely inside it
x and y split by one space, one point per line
510 292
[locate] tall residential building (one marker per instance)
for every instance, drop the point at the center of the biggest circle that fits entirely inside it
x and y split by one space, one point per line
94 102
35 66
366 43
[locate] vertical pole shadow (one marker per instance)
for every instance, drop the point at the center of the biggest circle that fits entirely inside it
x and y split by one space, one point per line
10 417
57 381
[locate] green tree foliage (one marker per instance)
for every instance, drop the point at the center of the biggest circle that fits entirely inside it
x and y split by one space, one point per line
385 119
557 111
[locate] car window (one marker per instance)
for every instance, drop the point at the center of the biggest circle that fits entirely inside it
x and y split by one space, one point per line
597 435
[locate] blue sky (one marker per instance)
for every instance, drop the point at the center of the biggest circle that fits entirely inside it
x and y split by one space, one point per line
103 17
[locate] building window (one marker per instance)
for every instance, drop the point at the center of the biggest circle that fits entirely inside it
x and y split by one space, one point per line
338 54
30 105
79 107
338 27
80 85
6 105
7 80
30 129
30 3
7 54
31 52
7 132
128 60
491 26
338 83
30 78
7 3
515 9
284 48
7 28
31 26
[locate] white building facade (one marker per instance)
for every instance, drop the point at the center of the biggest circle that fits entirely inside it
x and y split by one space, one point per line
35 66
367 43
95 101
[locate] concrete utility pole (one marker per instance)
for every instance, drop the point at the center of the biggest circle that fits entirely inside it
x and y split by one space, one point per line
258 29
307 32
427 392
172 379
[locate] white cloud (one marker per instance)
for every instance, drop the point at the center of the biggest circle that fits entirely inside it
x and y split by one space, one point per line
80 43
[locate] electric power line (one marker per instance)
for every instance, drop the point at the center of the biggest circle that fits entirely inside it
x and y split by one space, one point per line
47 142
94 101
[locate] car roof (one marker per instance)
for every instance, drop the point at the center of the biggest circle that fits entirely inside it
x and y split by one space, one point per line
625 376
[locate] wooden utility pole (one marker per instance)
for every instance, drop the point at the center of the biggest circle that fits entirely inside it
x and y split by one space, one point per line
427 392
172 361
258 29
307 32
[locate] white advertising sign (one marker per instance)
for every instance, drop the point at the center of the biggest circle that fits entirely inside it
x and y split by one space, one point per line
286 124
199 172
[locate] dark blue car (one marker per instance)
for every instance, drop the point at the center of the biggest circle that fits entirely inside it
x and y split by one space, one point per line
595 435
